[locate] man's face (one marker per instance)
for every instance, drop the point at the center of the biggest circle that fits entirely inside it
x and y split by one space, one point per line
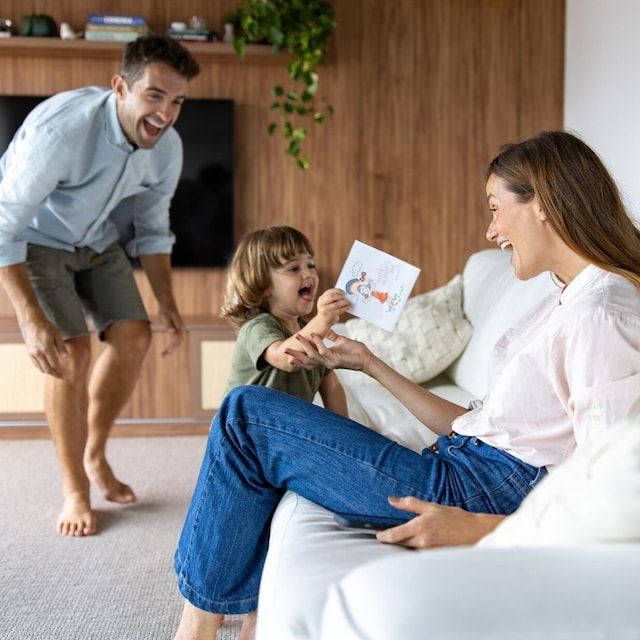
151 105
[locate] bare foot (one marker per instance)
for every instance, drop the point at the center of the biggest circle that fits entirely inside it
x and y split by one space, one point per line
76 518
248 629
197 624
111 488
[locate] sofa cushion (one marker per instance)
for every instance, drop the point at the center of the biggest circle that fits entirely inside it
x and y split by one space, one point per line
493 300
431 333
588 592
307 552
594 496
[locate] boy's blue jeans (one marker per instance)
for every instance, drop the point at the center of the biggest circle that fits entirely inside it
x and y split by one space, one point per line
263 442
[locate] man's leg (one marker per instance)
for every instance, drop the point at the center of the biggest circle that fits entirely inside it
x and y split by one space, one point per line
111 384
66 404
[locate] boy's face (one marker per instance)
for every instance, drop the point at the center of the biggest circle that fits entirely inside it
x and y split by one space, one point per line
151 105
294 286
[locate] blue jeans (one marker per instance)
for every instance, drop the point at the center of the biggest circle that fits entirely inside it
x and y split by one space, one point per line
263 442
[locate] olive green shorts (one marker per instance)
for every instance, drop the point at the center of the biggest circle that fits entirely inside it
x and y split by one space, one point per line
84 291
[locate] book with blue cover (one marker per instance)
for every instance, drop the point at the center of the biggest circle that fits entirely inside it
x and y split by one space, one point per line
112 19
113 36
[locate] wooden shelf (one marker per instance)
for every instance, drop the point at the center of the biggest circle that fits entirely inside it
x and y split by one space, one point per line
216 52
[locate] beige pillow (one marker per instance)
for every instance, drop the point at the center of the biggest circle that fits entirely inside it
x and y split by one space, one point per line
594 496
431 333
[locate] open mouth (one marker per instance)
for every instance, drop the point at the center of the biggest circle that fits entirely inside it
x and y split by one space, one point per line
505 245
306 293
151 129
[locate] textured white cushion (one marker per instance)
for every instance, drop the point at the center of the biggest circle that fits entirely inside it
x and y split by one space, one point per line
493 300
594 496
431 333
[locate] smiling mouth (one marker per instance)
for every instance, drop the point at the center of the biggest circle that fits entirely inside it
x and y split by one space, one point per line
505 245
306 293
152 129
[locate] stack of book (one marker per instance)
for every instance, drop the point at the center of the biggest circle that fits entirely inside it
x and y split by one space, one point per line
115 27
194 35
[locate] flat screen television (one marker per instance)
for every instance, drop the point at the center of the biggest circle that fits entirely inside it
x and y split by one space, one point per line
202 209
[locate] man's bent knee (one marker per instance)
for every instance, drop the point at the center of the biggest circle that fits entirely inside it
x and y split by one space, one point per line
129 336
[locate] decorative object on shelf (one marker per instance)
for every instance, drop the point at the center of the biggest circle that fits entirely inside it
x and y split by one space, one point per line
197 22
67 33
5 28
193 35
229 33
115 27
37 24
300 28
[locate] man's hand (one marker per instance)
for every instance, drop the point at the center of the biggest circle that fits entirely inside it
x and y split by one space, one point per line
171 322
437 526
46 347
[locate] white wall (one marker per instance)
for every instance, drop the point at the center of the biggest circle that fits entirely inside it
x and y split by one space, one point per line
602 86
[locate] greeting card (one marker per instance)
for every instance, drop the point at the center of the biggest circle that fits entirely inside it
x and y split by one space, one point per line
377 284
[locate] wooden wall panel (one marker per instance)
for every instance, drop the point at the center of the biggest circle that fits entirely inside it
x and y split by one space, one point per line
424 91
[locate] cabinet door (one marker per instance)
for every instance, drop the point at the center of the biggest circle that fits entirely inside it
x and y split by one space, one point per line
211 352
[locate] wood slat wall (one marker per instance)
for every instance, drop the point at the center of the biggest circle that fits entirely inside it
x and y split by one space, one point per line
424 91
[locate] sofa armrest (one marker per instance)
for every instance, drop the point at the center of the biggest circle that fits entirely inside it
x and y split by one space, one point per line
586 592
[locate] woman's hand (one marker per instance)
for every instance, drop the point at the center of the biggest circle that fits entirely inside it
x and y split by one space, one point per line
342 354
437 526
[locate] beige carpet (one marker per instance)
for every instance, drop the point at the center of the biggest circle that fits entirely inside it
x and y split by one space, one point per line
118 584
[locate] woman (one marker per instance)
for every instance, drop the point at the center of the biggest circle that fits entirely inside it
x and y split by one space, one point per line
566 371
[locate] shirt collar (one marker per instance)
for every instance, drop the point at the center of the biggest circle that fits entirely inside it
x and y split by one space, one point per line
115 134
580 282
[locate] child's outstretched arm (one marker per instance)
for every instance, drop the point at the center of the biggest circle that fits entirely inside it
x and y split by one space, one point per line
331 305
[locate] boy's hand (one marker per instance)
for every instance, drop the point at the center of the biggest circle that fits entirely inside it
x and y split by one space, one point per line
331 305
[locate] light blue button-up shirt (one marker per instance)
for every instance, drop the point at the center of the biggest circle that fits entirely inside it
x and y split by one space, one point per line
69 166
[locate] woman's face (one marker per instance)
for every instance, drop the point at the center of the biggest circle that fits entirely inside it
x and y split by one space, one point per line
520 228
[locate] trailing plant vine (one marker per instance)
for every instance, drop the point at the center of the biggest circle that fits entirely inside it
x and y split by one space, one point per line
300 28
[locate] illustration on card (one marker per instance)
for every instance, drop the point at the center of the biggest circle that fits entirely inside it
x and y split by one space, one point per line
377 284
361 288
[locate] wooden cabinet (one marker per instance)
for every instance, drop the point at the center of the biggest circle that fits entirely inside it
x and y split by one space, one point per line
178 393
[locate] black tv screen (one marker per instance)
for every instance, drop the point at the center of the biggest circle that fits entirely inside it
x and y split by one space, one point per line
202 209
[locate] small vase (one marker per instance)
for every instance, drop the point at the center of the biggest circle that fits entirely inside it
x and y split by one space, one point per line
229 35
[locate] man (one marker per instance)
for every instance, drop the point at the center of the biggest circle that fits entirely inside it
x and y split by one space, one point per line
75 158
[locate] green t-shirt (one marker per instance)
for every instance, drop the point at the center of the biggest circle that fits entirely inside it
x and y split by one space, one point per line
248 365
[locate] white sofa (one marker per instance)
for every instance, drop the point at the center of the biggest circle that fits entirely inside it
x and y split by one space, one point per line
313 566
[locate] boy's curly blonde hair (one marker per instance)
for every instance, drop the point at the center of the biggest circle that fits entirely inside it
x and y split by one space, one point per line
248 286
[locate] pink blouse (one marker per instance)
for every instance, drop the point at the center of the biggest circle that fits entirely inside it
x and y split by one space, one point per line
566 371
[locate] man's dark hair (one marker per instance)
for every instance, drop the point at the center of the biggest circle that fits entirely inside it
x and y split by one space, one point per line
156 49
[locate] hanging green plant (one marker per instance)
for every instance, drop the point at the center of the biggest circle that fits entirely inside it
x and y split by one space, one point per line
300 28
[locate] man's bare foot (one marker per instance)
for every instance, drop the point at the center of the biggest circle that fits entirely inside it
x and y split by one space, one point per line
248 629
197 624
76 518
111 488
